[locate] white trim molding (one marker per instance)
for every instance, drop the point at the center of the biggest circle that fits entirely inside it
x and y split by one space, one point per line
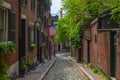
23 16
6 5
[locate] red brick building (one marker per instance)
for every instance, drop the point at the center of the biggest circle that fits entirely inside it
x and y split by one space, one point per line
26 23
35 18
9 18
101 47
27 32
44 14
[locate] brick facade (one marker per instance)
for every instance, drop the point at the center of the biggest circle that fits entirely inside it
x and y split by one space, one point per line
102 53
100 48
85 48
12 60
29 13
14 7
93 49
31 16
118 56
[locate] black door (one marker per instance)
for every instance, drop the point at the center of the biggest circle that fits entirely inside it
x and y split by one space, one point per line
39 42
88 51
21 45
59 47
113 54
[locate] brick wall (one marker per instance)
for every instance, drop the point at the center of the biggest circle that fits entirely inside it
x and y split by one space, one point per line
93 54
15 8
101 52
103 59
85 49
118 57
100 48
12 60
31 16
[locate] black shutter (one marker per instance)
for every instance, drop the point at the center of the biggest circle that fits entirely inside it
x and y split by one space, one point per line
34 35
11 28
47 41
25 2
40 37
32 5
45 21
29 42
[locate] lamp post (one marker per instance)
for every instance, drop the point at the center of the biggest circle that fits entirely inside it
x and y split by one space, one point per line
38 23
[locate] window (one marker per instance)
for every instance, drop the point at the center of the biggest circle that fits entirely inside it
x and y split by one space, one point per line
24 2
32 5
3 24
2 18
31 36
11 28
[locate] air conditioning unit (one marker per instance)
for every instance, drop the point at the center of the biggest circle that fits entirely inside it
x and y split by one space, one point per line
1 1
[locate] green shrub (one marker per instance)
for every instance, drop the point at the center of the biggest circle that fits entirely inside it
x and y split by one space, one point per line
103 76
3 71
84 63
33 45
7 47
95 70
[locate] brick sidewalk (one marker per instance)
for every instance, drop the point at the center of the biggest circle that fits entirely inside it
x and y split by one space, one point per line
40 71
87 71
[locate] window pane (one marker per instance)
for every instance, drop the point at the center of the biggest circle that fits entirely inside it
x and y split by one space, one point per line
2 19
32 35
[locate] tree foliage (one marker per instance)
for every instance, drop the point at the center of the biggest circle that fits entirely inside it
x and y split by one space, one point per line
77 11
76 35
115 5
62 30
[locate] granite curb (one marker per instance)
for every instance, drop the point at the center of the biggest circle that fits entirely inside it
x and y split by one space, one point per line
43 75
84 71
40 74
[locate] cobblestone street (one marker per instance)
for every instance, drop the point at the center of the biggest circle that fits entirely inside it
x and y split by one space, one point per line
64 69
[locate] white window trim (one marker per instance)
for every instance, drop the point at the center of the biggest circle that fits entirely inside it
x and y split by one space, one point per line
6 22
6 5
23 16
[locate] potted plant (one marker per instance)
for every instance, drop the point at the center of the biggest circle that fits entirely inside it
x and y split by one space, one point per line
24 67
33 45
7 47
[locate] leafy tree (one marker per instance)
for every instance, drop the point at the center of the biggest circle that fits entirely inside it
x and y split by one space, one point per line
76 35
77 11
62 30
115 5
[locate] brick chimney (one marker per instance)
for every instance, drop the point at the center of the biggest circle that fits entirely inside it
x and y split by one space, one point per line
61 13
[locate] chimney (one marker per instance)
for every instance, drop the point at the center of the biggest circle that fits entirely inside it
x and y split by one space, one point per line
61 12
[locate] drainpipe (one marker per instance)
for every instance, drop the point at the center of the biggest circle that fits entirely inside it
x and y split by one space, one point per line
19 37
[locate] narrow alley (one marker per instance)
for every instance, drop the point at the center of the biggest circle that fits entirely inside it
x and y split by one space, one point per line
59 39
63 69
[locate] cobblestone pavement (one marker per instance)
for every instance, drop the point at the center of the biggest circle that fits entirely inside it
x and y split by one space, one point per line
64 69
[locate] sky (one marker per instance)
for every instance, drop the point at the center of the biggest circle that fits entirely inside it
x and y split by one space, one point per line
56 5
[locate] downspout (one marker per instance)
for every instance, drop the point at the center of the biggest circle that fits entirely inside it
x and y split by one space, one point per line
19 36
